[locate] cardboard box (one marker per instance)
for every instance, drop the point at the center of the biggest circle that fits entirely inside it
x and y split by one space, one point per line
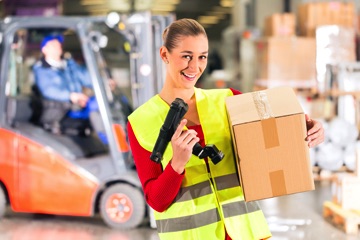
322 108
345 191
287 60
281 25
315 14
268 130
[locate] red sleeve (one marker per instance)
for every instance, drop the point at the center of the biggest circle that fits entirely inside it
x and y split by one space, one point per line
160 187
235 92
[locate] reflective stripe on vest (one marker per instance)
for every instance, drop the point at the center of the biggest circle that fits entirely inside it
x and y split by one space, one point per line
201 209
205 218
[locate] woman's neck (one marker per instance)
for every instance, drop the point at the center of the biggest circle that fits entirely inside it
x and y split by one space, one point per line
169 94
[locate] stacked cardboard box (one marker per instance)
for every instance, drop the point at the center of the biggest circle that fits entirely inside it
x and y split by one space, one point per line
280 24
346 191
345 188
283 57
315 14
322 108
268 131
287 61
299 63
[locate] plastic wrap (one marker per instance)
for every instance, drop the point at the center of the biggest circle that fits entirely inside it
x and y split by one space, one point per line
334 45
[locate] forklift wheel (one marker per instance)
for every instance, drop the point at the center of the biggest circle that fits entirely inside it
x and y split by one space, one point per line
2 202
122 206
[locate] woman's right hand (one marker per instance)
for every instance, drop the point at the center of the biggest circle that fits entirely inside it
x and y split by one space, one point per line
182 143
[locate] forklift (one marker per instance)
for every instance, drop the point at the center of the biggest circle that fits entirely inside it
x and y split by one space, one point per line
43 172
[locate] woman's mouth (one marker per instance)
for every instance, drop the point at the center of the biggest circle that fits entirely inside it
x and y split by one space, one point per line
189 76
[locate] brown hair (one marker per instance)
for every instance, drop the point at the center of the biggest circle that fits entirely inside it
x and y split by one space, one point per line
181 28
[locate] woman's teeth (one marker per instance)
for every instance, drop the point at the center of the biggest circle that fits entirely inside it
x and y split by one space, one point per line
189 76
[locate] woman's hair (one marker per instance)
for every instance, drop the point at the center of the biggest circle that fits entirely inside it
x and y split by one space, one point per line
181 28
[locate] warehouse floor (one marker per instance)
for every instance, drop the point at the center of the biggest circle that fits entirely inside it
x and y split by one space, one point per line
298 216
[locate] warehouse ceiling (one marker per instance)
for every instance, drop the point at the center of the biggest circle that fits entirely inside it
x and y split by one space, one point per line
214 15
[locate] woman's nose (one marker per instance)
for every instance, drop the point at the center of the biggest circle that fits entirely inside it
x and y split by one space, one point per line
194 64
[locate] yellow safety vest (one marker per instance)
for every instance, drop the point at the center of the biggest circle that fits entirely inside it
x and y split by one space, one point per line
206 203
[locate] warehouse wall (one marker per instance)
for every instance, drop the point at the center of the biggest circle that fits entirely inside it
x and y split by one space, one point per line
265 8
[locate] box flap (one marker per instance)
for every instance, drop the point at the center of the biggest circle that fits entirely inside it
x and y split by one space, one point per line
260 105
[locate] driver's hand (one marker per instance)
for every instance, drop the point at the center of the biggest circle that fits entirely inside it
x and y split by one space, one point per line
79 99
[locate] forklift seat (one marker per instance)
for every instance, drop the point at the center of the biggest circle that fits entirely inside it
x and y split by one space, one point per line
19 115
18 109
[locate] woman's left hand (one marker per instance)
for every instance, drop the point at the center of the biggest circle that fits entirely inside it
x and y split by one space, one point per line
315 132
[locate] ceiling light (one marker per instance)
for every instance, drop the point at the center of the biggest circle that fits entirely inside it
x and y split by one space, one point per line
164 8
97 9
141 5
222 9
207 22
226 3
208 19
92 2
161 13
166 1
97 13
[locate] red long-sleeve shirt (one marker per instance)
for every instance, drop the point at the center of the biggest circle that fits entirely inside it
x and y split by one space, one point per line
160 186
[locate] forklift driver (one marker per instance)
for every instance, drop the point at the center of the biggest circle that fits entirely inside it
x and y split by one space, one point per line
64 89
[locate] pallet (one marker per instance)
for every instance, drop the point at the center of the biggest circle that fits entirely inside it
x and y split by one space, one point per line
327 175
347 219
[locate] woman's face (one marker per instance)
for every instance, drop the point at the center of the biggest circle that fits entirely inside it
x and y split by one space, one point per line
187 61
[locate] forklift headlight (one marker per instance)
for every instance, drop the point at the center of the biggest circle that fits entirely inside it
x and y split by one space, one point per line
112 19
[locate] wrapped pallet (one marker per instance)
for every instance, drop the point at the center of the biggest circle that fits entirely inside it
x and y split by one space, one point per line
334 45
286 61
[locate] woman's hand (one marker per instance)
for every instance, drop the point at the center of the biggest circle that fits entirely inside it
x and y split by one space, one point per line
315 132
182 143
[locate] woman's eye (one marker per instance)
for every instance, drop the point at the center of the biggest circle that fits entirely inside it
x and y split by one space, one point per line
187 57
203 57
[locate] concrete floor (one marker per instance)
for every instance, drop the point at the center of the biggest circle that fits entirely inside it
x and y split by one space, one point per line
298 216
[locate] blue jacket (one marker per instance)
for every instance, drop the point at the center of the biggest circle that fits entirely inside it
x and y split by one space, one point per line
57 84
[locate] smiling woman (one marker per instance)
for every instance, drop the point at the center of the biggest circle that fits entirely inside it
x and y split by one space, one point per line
194 198
185 51
185 65
182 180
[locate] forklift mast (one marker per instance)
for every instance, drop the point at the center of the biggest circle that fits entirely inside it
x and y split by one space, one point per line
142 32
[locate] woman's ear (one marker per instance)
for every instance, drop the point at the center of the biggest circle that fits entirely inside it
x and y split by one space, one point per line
163 54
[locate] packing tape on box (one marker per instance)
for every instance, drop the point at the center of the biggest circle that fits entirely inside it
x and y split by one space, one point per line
277 181
271 138
268 121
262 105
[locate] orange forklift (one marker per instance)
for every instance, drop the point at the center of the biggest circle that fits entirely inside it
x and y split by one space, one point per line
76 174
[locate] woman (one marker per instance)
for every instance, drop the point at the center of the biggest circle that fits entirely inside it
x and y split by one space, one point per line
193 198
